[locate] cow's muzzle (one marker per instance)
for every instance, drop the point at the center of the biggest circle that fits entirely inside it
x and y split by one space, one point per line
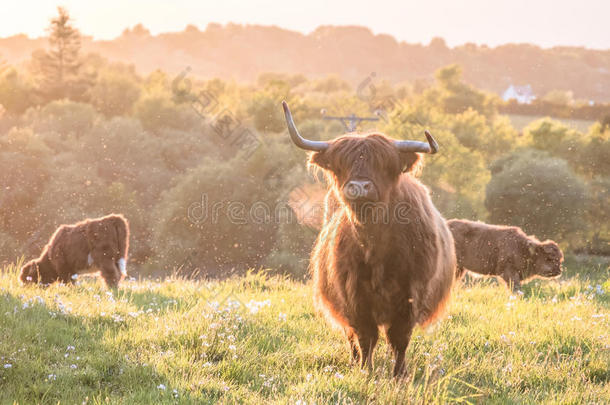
360 190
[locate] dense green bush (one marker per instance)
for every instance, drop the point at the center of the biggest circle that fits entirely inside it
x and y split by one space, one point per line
227 214
539 193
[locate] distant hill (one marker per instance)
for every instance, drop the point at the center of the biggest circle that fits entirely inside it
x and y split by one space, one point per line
242 52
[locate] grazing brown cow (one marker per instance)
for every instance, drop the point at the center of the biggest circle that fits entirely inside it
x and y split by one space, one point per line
503 251
87 246
384 257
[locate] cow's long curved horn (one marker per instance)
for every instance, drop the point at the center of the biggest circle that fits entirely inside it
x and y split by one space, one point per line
298 140
416 146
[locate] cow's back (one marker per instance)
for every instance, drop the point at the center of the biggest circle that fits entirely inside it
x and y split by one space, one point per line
68 247
485 248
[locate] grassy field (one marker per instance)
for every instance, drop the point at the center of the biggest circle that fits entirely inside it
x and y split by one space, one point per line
519 122
256 339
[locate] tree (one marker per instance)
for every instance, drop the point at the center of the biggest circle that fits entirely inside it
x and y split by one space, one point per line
454 96
457 177
492 138
59 68
559 97
537 192
114 93
25 166
594 157
557 139
16 93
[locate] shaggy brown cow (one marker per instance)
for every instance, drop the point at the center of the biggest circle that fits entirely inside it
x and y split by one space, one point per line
85 247
503 251
385 257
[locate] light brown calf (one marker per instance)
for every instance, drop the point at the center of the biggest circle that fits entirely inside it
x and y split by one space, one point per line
503 251
87 246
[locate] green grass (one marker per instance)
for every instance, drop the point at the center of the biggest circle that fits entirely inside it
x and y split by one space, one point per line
256 339
519 122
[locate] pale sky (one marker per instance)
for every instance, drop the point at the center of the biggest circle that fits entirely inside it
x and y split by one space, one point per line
543 22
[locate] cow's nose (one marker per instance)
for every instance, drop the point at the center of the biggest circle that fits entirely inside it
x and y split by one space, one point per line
358 189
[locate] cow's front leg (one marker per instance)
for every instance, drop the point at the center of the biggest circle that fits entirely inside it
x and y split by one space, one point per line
459 273
367 336
512 279
399 335
352 343
110 273
64 271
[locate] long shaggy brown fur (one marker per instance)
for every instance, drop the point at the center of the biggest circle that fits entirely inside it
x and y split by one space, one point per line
389 264
503 251
84 247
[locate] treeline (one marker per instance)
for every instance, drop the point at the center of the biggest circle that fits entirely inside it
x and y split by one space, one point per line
210 182
595 112
244 52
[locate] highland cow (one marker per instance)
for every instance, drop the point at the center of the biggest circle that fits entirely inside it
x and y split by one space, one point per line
503 251
88 246
385 256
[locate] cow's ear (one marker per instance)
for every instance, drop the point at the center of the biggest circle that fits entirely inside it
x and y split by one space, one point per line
411 162
550 248
320 159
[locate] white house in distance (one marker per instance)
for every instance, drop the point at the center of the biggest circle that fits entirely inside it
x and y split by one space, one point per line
523 94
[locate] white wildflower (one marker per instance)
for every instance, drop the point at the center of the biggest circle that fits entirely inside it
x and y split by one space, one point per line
255 306
161 387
